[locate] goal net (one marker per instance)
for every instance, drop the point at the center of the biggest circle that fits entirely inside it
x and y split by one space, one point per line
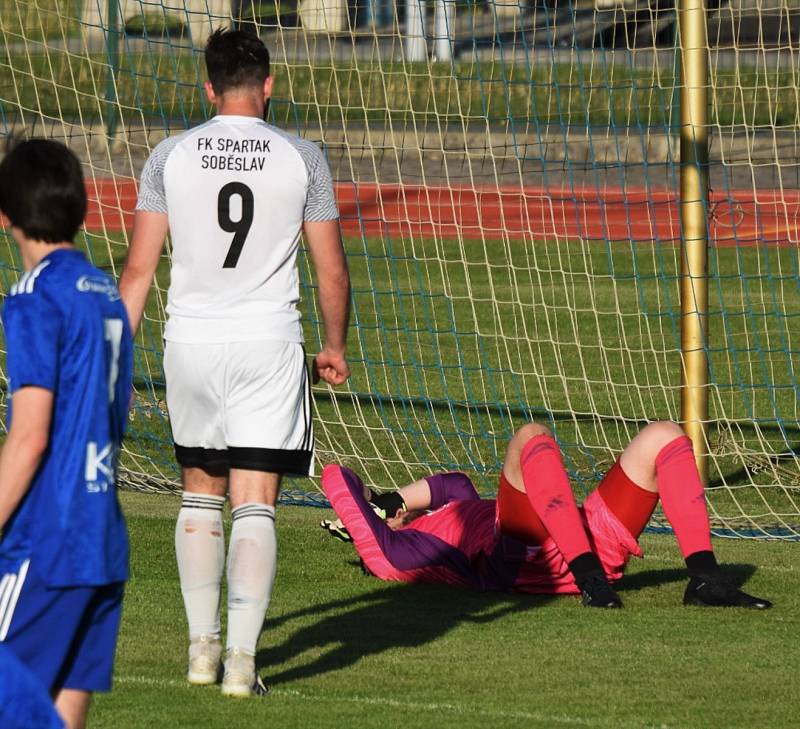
508 181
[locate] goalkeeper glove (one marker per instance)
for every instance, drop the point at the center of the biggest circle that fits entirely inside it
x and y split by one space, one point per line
336 529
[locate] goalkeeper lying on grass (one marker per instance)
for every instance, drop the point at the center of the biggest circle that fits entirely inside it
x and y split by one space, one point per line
533 537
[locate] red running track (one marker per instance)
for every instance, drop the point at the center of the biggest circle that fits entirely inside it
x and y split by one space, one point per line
739 217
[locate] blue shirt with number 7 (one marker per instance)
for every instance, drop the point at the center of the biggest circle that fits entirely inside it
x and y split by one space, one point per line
67 331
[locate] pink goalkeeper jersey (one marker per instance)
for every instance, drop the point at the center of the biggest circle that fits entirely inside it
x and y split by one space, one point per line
469 526
458 542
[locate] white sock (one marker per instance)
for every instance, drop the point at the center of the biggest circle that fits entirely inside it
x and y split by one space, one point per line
200 549
252 560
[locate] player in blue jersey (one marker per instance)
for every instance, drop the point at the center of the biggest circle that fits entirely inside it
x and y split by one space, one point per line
64 548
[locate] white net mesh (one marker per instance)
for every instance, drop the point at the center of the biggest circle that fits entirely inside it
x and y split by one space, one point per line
509 199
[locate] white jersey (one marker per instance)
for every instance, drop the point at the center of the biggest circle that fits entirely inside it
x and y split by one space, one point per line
237 192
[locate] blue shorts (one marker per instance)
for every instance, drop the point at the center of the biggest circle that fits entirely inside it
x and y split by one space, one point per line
24 702
65 636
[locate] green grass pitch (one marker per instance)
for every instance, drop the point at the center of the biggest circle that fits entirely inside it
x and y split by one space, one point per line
341 649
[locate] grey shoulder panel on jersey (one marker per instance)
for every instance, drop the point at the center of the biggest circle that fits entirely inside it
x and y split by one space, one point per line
152 195
320 203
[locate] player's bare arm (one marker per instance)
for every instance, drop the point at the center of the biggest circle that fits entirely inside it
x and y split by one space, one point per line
24 447
333 280
149 233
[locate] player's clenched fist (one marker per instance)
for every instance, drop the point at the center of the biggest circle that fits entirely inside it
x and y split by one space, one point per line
331 368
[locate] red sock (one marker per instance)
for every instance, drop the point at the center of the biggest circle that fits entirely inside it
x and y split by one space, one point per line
682 496
550 495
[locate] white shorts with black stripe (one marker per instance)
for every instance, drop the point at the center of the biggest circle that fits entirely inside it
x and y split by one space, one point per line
240 405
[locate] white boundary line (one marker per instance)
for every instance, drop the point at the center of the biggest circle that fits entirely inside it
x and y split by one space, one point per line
461 709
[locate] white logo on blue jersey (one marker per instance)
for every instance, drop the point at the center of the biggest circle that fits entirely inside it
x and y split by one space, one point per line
98 285
99 467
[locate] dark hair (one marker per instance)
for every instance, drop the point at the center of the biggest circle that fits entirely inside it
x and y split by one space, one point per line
236 59
42 191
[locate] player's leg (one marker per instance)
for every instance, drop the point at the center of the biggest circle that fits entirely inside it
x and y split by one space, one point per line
90 663
268 433
194 401
533 466
630 488
73 707
659 463
252 564
200 552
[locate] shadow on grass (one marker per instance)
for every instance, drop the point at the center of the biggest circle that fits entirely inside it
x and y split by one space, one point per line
740 573
392 616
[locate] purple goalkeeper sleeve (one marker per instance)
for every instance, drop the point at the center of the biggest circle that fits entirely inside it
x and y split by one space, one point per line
446 487
387 553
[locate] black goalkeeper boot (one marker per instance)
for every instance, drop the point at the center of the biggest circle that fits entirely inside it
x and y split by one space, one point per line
716 590
596 592
592 582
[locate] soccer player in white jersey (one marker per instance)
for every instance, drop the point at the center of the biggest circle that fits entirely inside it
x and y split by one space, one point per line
235 194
